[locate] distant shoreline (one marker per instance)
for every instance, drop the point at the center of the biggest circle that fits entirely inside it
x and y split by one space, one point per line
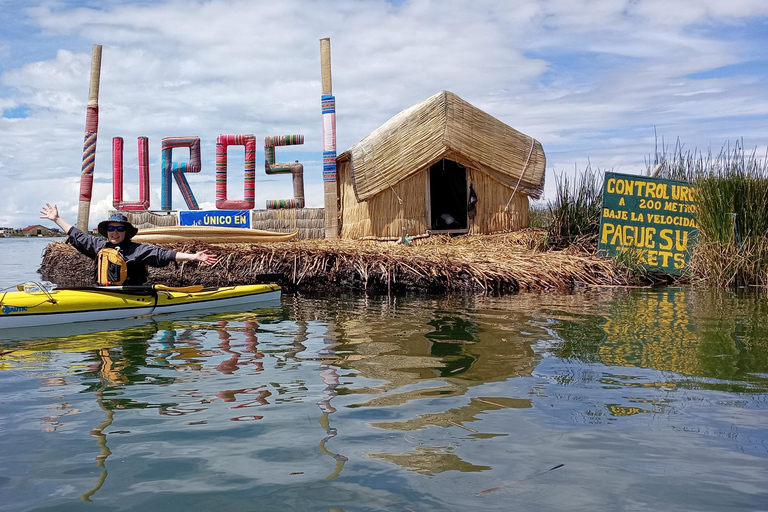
30 236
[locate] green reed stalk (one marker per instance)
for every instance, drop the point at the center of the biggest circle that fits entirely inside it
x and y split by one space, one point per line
732 203
575 214
540 216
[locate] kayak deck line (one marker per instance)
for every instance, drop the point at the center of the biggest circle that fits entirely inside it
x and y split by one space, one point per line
43 307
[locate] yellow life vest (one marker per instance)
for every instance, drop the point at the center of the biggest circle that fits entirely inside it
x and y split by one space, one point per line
111 268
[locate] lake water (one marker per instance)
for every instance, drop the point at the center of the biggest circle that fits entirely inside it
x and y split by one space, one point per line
607 399
20 259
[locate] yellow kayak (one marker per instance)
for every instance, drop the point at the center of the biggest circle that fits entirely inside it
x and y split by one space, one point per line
36 308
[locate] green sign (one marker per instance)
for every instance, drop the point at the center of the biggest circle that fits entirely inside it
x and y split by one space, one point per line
655 219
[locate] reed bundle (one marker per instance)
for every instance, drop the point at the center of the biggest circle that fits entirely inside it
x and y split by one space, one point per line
309 222
497 264
145 219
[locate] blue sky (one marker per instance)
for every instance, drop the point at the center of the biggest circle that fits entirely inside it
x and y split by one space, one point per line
595 81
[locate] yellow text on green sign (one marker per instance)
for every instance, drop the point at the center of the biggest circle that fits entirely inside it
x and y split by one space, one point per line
653 218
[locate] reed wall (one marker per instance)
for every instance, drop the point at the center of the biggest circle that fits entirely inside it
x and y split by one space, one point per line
492 199
146 219
310 222
384 216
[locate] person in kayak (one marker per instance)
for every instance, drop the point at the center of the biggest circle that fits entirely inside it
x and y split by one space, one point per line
120 261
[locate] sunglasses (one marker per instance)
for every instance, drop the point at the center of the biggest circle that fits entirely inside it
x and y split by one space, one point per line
119 229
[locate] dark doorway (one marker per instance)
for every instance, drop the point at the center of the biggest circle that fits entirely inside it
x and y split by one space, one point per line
448 196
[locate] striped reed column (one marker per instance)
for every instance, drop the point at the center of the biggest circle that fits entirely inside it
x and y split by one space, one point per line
89 142
330 186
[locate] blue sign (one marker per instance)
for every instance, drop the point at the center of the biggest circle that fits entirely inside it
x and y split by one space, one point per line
216 218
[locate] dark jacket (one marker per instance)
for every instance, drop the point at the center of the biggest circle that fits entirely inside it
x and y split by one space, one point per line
136 256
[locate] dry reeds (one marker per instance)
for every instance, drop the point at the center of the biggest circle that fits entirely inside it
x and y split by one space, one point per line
444 123
488 265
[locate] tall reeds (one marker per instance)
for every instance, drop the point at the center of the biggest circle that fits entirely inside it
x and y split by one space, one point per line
575 213
731 201
732 205
540 216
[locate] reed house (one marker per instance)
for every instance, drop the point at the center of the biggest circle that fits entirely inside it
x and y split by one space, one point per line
441 166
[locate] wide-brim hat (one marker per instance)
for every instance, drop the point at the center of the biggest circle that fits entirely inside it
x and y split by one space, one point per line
130 231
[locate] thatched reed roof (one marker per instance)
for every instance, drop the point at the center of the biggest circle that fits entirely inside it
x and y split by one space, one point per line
445 126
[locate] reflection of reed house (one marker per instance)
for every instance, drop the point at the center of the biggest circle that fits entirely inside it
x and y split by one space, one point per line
38 230
456 350
441 166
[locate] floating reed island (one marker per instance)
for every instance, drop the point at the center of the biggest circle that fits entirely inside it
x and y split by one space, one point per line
483 264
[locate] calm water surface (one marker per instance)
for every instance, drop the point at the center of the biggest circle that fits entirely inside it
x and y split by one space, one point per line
600 400
20 258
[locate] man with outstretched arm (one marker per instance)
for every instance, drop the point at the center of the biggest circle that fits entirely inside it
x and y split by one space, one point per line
118 259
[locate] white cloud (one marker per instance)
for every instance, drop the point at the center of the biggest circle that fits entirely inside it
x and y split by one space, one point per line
590 79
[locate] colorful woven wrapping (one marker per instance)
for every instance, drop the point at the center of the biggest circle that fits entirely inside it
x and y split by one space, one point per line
89 152
222 143
178 170
329 137
269 152
117 176
295 168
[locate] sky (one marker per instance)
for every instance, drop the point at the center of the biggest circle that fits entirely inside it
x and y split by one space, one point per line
600 83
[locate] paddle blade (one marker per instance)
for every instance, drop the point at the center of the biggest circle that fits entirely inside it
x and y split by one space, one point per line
187 289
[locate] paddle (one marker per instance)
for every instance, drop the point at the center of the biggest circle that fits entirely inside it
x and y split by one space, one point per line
189 289
143 288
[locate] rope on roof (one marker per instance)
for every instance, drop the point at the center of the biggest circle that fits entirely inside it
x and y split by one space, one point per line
376 167
525 166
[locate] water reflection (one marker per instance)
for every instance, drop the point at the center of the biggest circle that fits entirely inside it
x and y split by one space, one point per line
116 360
411 358
367 393
713 334
101 441
424 358
330 378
